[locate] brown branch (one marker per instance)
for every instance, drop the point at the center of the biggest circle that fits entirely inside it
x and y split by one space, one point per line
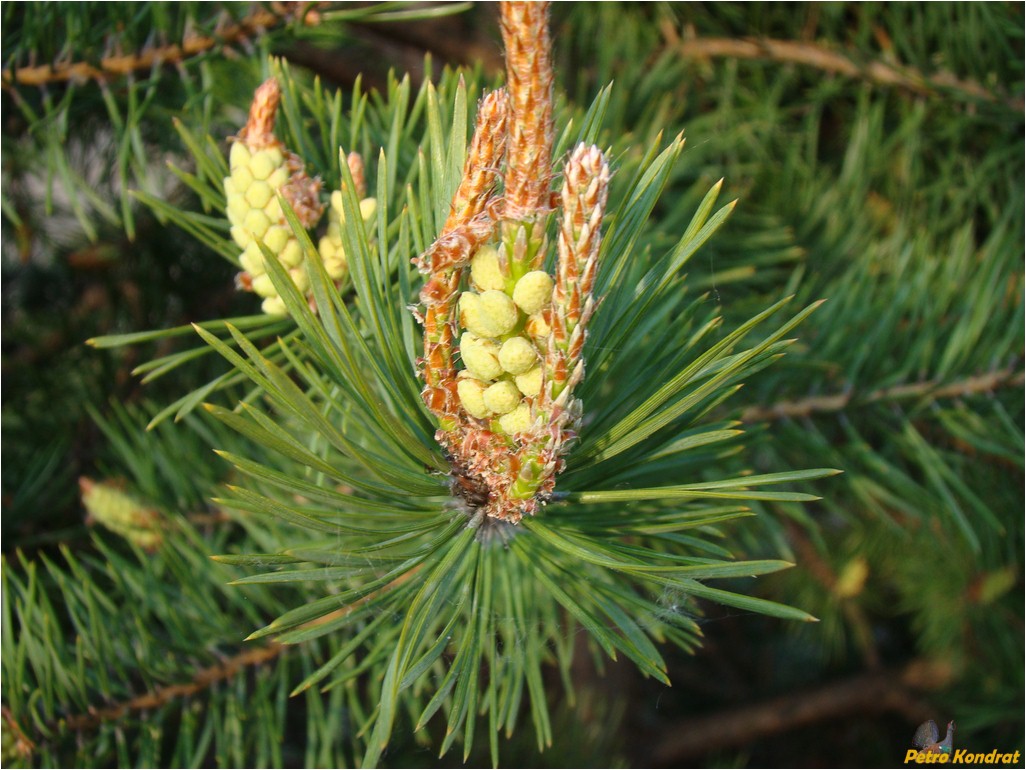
203 679
207 677
812 55
890 691
984 383
119 66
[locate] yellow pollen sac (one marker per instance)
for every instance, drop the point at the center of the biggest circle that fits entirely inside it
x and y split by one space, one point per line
278 178
368 208
263 286
238 155
471 394
533 292
491 314
336 205
292 254
530 383
480 357
274 306
237 209
517 355
276 237
517 421
241 179
240 235
502 397
273 210
485 271
257 223
333 254
252 260
262 165
258 194
301 278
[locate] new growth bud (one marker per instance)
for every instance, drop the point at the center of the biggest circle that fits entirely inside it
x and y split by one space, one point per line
521 331
121 513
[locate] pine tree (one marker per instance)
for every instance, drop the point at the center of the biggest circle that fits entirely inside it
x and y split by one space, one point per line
426 547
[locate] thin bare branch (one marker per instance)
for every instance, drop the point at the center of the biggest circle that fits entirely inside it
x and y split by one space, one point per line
885 692
1010 377
204 678
812 55
207 677
111 67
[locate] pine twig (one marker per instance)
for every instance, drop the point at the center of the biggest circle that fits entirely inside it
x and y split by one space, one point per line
118 66
1009 377
207 677
203 679
812 55
890 691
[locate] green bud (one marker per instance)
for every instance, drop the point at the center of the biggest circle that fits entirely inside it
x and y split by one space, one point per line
121 513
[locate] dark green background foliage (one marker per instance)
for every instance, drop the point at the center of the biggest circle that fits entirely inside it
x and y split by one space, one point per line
899 202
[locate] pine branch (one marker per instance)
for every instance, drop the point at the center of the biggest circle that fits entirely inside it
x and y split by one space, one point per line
812 55
889 691
203 679
1010 377
118 66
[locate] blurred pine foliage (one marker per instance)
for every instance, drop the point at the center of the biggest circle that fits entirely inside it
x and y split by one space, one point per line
877 153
